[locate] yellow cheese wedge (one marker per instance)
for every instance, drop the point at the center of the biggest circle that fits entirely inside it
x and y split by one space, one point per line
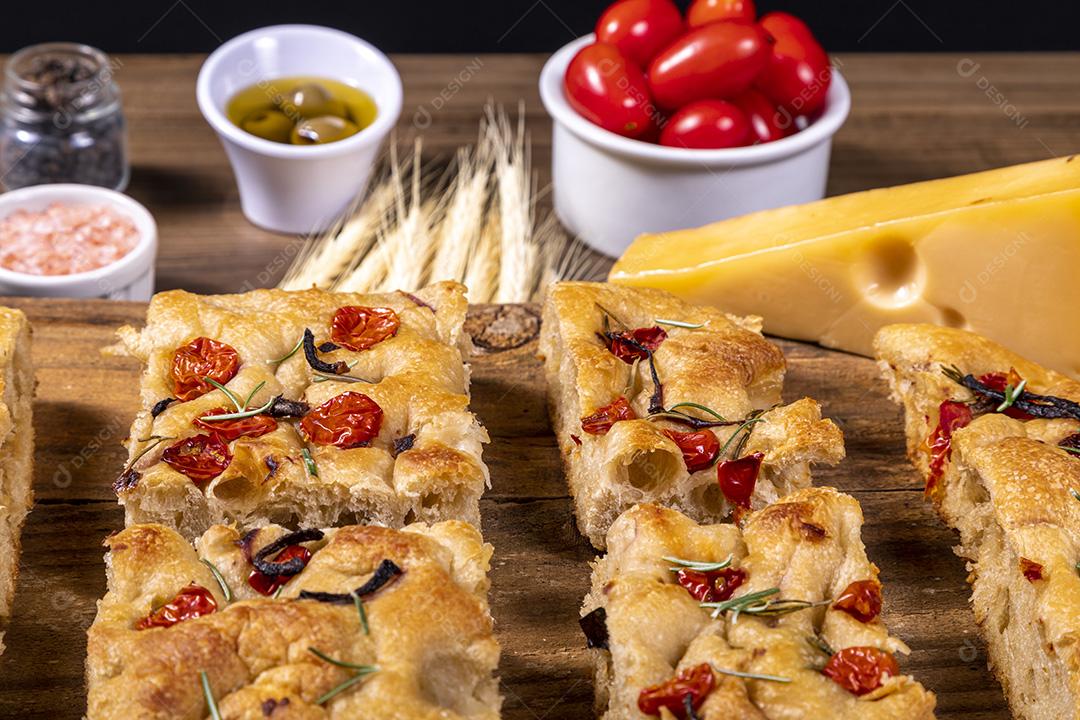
996 252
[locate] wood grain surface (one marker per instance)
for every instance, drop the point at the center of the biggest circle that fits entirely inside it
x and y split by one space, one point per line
540 569
913 117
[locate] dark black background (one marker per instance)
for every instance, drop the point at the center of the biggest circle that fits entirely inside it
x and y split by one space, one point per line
527 25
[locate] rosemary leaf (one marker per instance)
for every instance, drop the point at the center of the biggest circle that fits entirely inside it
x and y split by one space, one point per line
679 324
1011 395
1075 492
277 593
323 377
751 676
744 426
220 579
696 565
343 687
1074 451
228 393
361 612
240 414
309 463
210 702
365 669
286 356
704 409
247 402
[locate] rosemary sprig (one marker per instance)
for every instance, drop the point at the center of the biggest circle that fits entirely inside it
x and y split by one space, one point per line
240 414
697 565
679 324
228 393
281 588
1074 451
286 356
744 426
1075 493
361 612
220 579
819 643
697 406
1012 395
1041 406
309 463
361 672
751 676
608 314
157 440
760 603
209 694
319 377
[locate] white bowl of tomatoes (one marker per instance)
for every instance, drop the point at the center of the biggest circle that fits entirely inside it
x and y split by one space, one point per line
664 122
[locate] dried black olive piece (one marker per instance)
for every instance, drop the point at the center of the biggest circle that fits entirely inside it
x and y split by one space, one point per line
404 443
1072 442
160 405
283 408
1043 406
387 571
289 567
272 465
246 542
594 625
329 347
127 480
312 355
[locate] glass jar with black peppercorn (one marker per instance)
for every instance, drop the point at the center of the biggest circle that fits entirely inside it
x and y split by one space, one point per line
62 120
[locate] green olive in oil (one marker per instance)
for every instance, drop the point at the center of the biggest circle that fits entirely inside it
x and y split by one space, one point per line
301 110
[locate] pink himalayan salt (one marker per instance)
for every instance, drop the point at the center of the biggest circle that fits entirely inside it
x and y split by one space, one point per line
65 239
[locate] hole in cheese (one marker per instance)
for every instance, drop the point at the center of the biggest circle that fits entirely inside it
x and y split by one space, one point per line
890 273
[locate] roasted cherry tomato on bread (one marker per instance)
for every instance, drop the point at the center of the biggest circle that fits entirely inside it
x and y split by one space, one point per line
361 328
861 670
202 358
707 124
601 421
191 602
699 449
797 73
201 457
229 430
952 415
640 28
703 12
712 585
715 61
268 584
348 420
636 344
767 121
738 478
606 88
694 683
861 600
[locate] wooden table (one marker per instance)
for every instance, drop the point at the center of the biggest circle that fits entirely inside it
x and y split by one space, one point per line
914 118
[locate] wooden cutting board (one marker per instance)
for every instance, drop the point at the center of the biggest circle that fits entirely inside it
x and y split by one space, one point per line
541 566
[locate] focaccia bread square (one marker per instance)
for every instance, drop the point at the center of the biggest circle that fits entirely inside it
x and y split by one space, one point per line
16 449
1006 476
368 421
649 396
761 623
369 623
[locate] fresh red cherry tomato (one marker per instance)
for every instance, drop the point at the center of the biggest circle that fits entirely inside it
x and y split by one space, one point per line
607 89
191 602
797 74
861 600
198 359
348 420
767 122
201 457
694 683
601 421
719 60
707 124
360 328
640 28
703 12
861 670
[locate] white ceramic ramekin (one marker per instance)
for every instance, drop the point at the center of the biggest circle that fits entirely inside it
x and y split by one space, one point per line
289 188
609 189
129 278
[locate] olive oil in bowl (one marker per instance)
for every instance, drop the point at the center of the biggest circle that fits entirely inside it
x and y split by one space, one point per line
301 110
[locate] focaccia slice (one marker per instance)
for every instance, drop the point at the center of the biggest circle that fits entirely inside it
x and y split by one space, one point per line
1009 483
372 427
16 449
416 642
624 440
650 617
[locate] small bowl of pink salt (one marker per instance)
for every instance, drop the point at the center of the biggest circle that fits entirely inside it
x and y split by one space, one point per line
76 241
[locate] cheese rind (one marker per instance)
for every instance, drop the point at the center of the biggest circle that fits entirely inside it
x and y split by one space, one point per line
996 252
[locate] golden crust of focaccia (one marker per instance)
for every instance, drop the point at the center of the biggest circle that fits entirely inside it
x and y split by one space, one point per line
430 631
726 366
807 545
417 377
16 449
1008 488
